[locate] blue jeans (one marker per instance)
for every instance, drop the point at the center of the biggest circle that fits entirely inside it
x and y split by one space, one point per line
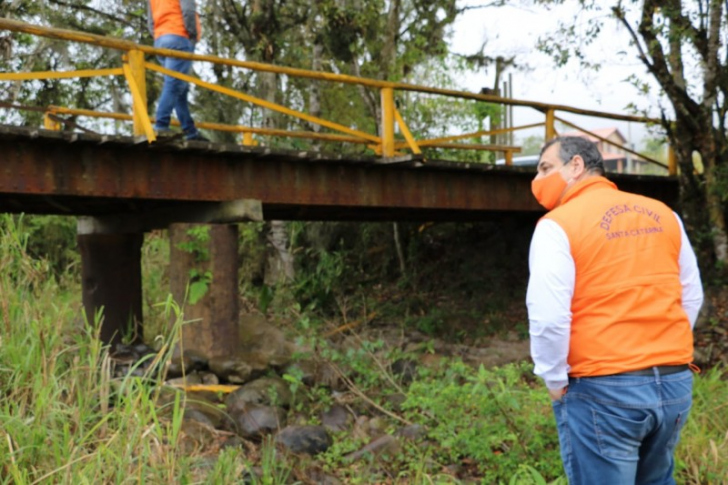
174 91
622 430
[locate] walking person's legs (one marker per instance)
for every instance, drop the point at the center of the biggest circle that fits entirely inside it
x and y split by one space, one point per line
174 91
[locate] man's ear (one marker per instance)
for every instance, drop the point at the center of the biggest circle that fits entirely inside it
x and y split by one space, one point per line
578 166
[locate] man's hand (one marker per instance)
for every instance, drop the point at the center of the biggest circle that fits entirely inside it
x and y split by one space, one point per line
557 394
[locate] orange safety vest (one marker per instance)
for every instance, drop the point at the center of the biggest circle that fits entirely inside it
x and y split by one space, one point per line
626 309
168 19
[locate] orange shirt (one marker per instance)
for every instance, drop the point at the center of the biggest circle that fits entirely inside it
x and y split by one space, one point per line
168 17
626 309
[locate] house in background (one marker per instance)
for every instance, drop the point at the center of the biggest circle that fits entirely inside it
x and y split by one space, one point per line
615 158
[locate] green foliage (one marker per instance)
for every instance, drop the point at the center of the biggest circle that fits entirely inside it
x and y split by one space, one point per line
666 38
371 39
316 288
528 475
490 416
198 286
197 243
50 238
155 264
703 448
531 145
252 256
63 419
57 401
326 264
273 470
19 269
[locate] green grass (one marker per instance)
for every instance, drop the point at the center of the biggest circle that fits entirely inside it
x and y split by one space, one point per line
64 420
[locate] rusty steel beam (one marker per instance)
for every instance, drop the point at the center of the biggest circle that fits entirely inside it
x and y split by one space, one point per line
84 174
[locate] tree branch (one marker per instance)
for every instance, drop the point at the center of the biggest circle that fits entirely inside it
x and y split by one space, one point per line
366 94
495 3
675 42
712 64
109 16
684 105
685 29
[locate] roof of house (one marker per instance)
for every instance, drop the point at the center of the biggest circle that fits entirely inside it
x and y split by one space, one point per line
602 132
613 156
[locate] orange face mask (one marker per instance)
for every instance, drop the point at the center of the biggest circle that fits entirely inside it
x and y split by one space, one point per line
548 190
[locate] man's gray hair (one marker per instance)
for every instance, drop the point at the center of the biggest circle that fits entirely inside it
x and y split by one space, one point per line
570 146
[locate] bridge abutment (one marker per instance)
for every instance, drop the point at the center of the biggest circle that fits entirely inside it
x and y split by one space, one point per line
204 266
111 281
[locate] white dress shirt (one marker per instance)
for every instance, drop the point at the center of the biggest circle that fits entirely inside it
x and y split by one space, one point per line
551 288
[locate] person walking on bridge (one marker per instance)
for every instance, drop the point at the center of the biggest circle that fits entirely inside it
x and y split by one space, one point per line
175 24
613 294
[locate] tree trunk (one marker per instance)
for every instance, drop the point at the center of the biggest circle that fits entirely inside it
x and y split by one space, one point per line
714 200
279 264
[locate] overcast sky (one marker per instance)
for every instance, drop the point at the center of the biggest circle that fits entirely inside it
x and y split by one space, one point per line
515 30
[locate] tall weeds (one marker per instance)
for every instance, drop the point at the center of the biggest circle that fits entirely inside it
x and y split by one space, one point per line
63 419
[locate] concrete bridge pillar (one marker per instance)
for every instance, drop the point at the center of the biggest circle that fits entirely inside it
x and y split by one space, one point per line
111 280
204 266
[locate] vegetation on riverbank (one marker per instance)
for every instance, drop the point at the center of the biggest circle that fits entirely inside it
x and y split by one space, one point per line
63 419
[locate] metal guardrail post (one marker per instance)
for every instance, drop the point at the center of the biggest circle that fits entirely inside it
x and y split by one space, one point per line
384 144
134 71
49 123
671 161
136 64
550 128
387 122
509 157
248 139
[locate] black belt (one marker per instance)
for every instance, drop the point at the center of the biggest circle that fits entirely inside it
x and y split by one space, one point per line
663 370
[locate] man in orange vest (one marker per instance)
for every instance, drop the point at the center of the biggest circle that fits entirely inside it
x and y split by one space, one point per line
174 24
613 294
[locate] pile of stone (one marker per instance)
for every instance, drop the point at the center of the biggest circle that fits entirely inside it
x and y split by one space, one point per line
245 398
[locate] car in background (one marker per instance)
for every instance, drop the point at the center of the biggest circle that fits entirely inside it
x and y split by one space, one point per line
524 161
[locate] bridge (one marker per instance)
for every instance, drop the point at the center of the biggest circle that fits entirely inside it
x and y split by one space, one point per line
123 185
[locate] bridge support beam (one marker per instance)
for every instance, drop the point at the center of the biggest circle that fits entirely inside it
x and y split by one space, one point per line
111 280
206 257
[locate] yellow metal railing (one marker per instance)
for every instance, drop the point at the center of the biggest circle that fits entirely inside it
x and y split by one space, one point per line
134 68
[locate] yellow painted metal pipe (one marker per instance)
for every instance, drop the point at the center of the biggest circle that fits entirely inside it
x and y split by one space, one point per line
135 60
266 104
282 133
28 76
477 146
50 124
125 45
217 126
550 131
90 113
141 117
425 143
406 133
387 122
248 139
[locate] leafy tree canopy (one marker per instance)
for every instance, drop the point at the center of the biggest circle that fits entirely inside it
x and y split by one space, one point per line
682 46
